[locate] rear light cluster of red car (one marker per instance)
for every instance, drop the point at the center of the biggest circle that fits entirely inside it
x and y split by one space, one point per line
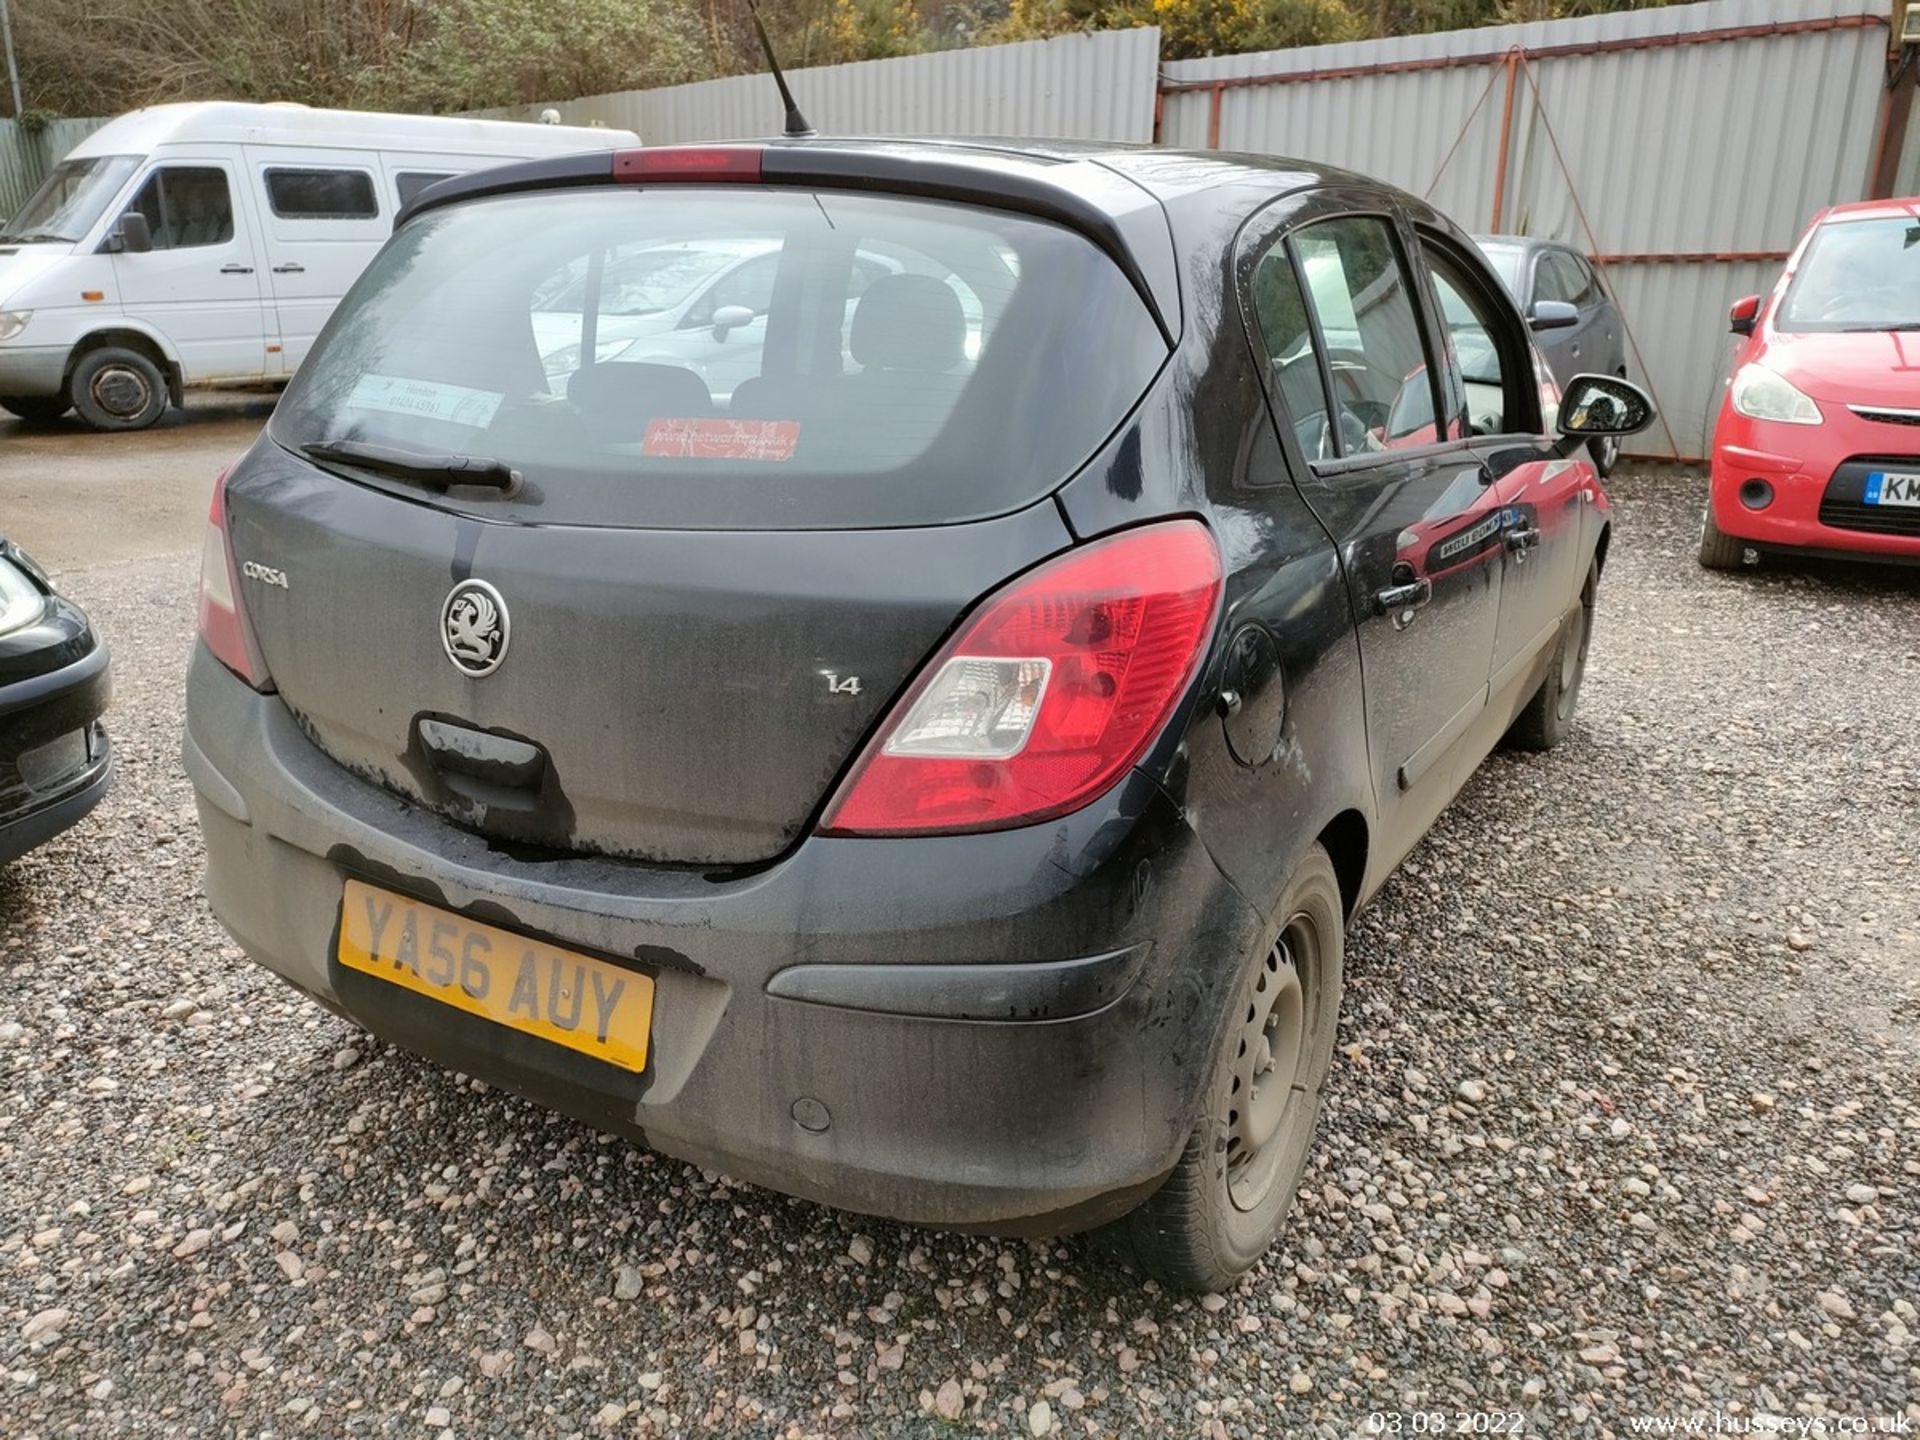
223 621
1048 693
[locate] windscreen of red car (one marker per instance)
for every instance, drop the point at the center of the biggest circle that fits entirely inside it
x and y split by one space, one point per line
734 358
1857 275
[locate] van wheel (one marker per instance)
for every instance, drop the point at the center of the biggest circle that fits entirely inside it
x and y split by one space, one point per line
1219 1211
1549 714
1718 550
118 389
36 407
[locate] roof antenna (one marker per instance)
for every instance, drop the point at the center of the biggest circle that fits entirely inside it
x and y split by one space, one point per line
797 126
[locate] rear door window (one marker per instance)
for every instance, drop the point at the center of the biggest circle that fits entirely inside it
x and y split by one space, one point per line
1362 300
1280 312
728 358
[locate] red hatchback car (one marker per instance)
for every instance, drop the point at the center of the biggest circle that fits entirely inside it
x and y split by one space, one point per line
1818 445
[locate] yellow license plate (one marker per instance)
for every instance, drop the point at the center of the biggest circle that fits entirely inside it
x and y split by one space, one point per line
573 1000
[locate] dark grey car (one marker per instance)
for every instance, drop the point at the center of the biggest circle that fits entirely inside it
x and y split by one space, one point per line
1592 341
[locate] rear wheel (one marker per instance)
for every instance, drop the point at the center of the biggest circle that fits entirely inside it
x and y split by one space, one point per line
1719 551
1234 1183
36 407
115 388
1549 714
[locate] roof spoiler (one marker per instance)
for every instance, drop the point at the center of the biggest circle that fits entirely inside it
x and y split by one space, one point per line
928 173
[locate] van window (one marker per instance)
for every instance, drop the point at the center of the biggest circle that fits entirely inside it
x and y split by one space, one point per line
322 195
69 200
709 357
409 183
186 205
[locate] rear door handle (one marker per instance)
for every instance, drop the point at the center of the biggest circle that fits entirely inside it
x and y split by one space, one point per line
292 267
1400 601
232 269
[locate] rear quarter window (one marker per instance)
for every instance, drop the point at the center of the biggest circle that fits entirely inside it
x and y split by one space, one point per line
736 358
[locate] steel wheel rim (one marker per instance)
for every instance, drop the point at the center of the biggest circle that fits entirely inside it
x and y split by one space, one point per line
121 391
1269 1064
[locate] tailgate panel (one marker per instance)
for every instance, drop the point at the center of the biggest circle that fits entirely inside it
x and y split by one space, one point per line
674 683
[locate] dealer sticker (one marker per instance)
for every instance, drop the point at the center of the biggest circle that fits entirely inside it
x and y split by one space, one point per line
431 399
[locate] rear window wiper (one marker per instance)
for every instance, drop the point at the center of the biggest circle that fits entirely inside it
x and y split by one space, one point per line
437 468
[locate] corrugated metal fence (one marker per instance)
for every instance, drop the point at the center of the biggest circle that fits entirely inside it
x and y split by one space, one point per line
26 155
1086 87
1685 147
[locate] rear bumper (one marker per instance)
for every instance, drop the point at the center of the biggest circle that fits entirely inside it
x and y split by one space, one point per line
32 369
821 1027
55 760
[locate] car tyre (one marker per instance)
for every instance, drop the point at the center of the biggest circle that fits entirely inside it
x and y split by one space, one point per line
1230 1191
1605 450
114 388
1549 714
1719 551
36 407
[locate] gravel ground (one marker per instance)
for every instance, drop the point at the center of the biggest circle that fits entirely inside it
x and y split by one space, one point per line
1625 1122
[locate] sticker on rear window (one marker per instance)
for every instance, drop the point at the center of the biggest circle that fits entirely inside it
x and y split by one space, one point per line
429 398
721 439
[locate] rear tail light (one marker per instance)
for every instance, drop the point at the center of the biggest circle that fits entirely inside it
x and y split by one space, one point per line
223 623
1049 693
689 162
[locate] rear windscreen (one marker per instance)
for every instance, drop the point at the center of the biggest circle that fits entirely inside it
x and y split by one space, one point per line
734 358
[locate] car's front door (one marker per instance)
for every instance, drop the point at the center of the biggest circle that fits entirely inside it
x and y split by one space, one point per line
1492 393
199 284
1409 508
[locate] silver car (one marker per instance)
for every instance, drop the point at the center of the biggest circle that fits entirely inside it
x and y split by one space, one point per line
1594 341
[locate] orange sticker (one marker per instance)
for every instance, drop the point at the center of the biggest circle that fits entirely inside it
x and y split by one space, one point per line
722 439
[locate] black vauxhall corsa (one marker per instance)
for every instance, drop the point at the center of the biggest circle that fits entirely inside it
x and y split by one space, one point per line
911 727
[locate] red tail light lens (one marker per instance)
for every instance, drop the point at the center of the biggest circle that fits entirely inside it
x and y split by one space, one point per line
1049 693
223 624
689 162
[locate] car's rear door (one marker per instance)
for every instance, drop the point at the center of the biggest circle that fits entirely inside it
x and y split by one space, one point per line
1337 323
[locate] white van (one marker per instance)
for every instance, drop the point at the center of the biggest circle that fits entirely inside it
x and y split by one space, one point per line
206 244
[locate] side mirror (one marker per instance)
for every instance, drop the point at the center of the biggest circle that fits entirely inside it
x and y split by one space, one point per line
133 236
1597 405
1744 315
1552 315
731 317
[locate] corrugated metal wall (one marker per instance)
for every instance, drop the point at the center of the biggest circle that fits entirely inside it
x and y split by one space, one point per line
1676 141
27 155
1098 86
